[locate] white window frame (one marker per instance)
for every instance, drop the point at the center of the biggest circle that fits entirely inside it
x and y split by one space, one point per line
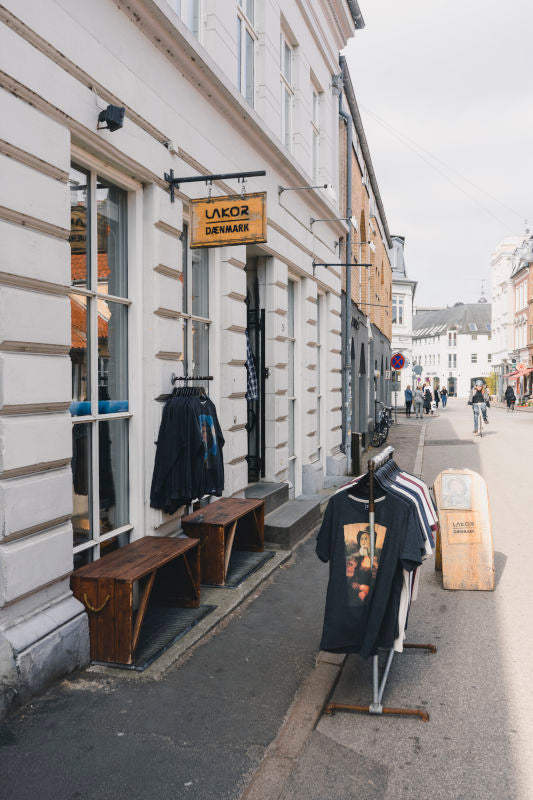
245 26
316 150
186 314
287 91
97 168
187 10
321 366
473 358
452 338
398 307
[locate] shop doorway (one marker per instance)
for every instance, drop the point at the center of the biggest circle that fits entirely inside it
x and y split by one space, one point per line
255 425
452 387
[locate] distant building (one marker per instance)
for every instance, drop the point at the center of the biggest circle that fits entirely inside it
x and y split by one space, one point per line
521 377
403 294
503 306
453 345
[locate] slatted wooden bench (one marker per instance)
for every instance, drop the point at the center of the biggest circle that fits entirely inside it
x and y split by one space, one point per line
228 523
168 570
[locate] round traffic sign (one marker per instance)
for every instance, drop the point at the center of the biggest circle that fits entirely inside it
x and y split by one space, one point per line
397 361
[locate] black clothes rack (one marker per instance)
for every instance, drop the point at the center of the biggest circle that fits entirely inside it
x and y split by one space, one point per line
162 398
378 688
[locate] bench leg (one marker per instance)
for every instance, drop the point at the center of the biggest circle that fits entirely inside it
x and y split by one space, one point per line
228 545
142 611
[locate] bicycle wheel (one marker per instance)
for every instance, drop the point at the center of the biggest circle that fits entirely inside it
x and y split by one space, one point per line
376 440
384 432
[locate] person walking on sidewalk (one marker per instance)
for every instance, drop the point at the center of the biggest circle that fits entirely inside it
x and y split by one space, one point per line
436 397
510 398
419 402
444 396
479 400
428 398
408 401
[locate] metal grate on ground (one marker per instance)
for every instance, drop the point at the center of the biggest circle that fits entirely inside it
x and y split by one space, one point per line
241 565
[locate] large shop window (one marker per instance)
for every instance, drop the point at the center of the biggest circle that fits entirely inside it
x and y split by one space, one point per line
99 356
195 322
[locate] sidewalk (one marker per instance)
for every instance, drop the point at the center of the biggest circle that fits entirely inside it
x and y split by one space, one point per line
201 728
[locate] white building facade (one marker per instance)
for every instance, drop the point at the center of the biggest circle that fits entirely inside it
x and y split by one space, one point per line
403 295
453 346
502 309
102 299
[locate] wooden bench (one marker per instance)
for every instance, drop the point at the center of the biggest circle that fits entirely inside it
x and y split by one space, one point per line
168 570
229 523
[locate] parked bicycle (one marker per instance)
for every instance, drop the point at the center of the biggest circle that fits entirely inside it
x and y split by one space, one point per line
382 426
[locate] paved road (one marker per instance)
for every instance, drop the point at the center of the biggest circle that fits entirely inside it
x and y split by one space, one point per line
479 742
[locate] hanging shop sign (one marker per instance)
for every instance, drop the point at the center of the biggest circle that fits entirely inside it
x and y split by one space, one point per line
228 220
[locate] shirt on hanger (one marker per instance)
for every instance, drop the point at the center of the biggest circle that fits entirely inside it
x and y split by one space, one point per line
363 598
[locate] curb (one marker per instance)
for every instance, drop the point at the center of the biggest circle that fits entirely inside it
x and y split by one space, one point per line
419 460
270 778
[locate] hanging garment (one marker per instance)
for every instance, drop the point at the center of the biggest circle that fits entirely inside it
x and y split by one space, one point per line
252 391
363 598
189 463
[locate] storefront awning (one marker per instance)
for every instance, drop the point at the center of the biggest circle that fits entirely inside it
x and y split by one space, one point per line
519 373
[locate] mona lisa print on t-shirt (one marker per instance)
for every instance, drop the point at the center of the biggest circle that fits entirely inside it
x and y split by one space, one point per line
360 572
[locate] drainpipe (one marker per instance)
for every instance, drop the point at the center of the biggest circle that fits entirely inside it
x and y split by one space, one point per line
347 351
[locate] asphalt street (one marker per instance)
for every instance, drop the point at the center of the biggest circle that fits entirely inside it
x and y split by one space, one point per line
201 731
478 744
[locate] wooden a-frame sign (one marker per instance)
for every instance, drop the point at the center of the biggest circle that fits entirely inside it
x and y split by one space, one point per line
228 220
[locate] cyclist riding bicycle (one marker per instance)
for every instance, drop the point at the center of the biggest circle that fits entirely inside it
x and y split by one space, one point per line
479 400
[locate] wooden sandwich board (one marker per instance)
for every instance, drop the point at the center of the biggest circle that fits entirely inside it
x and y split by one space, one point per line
465 550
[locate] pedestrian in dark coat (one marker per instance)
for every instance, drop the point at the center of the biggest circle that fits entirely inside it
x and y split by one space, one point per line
510 398
428 397
436 397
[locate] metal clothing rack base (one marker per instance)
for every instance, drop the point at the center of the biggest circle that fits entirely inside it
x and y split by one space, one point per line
378 687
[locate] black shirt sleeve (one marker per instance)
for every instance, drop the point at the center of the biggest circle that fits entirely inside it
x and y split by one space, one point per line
410 554
325 539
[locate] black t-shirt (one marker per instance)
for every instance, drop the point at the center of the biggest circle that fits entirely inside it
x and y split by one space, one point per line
362 600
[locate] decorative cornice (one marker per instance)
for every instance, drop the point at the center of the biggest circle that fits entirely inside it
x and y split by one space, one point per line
38 164
33 284
26 221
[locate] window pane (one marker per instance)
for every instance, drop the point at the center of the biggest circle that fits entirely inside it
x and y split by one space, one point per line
290 368
200 282
112 357
290 308
249 69
287 118
291 427
112 239
79 355
200 348
79 230
113 474
81 484
239 54
287 62
250 10
85 557
316 153
185 269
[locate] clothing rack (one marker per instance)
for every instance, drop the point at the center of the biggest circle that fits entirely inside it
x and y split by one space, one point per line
175 378
378 688
162 398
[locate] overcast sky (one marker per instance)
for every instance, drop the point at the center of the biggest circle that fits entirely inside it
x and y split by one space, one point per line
455 79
